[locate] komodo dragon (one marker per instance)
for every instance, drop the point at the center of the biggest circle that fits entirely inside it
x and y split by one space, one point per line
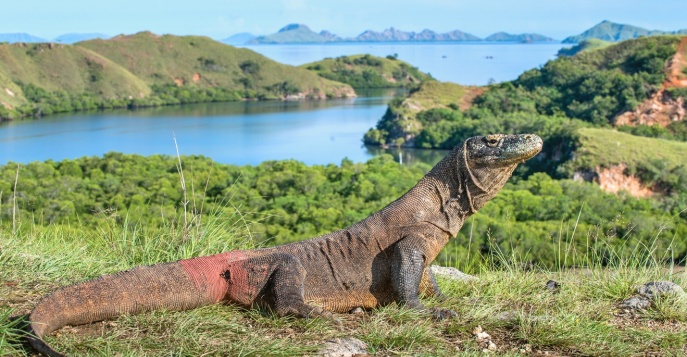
379 260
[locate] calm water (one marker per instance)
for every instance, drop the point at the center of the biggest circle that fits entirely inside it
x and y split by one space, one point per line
316 132
465 63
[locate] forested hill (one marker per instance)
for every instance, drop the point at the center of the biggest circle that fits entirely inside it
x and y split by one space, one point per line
286 201
144 69
366 71
637 86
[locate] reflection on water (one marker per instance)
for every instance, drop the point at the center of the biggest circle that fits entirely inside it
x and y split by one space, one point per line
315 132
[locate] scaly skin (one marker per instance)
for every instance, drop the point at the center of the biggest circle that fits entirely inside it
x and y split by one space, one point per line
379 260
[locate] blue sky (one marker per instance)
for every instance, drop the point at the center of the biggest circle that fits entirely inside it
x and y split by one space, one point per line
220 19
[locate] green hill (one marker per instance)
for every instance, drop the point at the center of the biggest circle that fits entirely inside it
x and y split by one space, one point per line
201 62
584 45
67 68
614 32
39 79
593 86
555 101
10 94
366 71
145 70
605 147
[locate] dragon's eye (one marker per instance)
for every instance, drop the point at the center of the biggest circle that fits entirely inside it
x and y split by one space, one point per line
492 140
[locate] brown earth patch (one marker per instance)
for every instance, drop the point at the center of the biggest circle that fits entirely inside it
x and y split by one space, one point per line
675 76
196 77
613 179
9 92
470 94
661 108
179 81
6 105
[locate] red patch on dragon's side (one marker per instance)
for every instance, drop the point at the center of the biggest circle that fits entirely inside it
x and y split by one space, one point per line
207 272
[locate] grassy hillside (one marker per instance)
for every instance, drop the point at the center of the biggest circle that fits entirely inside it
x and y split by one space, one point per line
604 147
10 93
366 71
585 45
200 62
55 67
403 121
145 70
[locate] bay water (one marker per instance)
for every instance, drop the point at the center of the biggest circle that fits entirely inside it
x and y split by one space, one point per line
315 132
467 63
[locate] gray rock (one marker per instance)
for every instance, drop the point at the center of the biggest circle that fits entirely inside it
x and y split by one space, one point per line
508 316
343 347
654 289
553 286
636 302
357 311
452 273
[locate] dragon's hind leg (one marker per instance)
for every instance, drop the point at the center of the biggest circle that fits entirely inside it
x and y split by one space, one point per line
285 289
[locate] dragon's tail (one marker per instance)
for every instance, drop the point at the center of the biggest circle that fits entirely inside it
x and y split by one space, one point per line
181 285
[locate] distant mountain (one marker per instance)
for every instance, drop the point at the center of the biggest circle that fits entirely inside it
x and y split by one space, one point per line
614 32
71 38
298 33
523 38
239 39
19 37
394 35
295 33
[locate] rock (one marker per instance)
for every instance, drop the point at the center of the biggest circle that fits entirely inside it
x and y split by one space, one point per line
553 286
509 316
483 339
343 347
650 291
357 311
452 273
654 289
635 303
